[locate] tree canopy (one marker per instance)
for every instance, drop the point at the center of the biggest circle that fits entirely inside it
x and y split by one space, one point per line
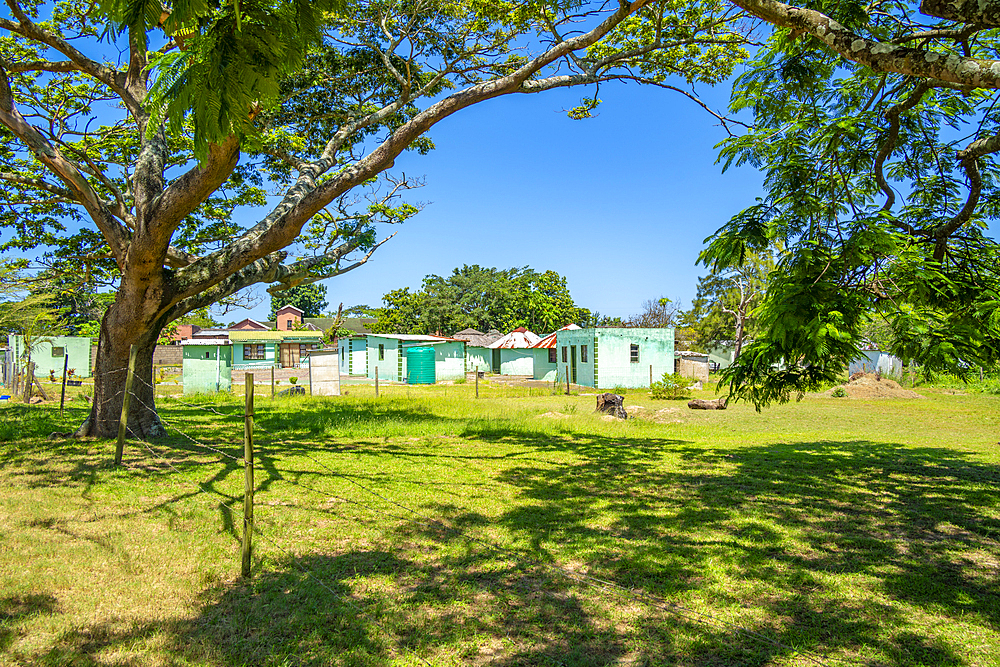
310 299
481 298
876 129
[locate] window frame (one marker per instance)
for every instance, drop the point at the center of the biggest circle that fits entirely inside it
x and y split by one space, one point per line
583 354
633 350
553 355
254 351
565 357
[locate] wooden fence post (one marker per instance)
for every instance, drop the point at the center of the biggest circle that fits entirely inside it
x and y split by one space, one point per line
272 380
376 382
651 375
248 476
567 379
62 397
477 381
126 403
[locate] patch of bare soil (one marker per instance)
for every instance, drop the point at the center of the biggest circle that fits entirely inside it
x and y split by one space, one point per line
661 416
554 415
870 385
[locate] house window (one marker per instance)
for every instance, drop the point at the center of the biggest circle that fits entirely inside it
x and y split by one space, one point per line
583 353
58 352
208 355
253 351
564 354
381 352
634 353
553 355
306 348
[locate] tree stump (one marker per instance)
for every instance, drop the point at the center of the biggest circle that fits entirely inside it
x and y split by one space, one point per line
702 404
612 404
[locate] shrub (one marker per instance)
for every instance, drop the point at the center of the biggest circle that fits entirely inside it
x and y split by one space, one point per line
293 380
839 392
672 386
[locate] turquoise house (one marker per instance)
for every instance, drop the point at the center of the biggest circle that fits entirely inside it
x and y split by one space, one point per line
255 349
207 366
387 353
615 357
49 353
546 362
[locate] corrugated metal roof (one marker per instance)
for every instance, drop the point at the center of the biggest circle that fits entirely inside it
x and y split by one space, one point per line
515 340
549 341
206 341
246 335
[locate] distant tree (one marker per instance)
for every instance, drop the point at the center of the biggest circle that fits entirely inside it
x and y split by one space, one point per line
721 313
310 299
656 314
360 310
400 314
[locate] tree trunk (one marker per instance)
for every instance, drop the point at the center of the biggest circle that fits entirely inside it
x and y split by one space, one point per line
119 331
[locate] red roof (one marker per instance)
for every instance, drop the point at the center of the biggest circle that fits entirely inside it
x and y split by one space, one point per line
549 341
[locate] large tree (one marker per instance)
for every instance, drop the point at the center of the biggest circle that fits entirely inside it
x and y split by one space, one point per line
877 129
141 134
310 299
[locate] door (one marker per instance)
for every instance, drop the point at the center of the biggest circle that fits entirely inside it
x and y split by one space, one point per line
572 363
496 362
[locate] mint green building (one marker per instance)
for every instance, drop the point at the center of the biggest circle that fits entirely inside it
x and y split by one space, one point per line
615 357
207 366
387 353
48 354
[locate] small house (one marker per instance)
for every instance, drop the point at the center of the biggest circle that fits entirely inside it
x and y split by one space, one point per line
876 361
50 352
513 354
615 357
692 365
387 355
281 349
207 366
546 361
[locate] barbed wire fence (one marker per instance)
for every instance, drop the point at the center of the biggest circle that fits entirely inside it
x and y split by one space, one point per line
254 525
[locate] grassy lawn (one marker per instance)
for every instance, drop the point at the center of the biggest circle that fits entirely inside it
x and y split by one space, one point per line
425 527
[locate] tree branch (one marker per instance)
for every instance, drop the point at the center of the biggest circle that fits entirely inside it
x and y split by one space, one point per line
982 12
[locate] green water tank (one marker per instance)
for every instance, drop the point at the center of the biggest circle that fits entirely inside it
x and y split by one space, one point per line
420 365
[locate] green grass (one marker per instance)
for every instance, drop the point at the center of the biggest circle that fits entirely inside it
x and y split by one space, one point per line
831 530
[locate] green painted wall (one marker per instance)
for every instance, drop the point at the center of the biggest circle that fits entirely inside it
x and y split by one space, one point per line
543 370
269 360
389 366
517 362
48 354
609 361
722 356
449 361
480 357
207 368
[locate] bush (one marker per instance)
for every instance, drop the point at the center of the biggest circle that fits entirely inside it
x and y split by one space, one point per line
672 387
839 392
293 380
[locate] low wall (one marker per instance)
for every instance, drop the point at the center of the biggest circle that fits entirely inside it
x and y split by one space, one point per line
163 355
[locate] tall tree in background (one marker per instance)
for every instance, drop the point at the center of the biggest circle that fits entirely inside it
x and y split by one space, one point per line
877 130
157 143
310 299
720 315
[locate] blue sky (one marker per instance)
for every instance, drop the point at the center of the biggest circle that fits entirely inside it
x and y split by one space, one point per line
619 204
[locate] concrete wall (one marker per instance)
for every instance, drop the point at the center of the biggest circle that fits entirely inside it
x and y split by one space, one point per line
392 367
723 356
269 360
478 357
324 373
517 362
47 355
609 361
449 361
207 368
353 355
164 355
543 370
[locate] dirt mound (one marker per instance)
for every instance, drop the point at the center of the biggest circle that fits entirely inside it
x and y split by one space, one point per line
553 415
869 385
